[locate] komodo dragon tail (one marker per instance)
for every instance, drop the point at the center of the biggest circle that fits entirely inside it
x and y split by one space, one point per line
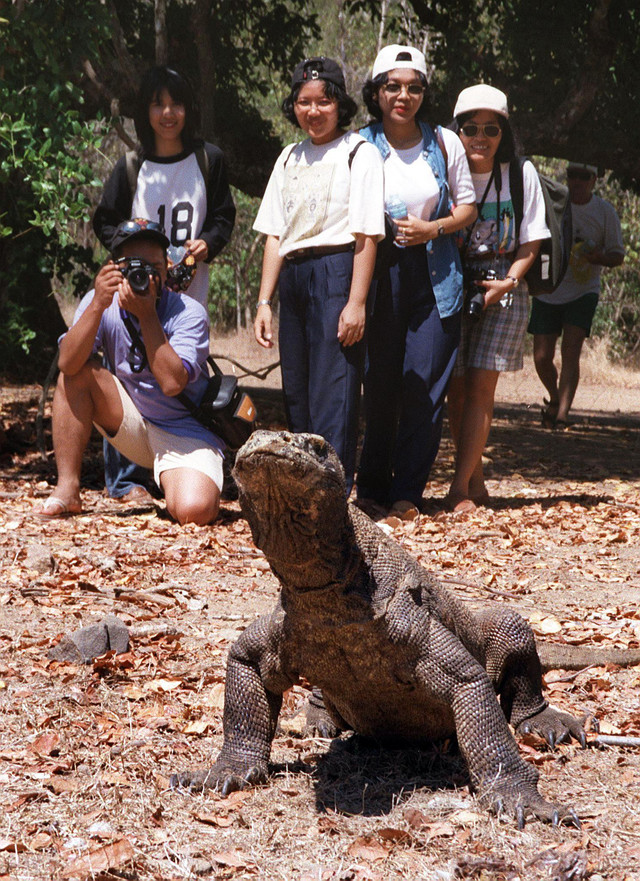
554 656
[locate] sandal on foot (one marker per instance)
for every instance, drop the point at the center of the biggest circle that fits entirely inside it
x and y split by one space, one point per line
55 508
549 413
458 505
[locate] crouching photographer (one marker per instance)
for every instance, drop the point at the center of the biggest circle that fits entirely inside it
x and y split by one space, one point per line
158 342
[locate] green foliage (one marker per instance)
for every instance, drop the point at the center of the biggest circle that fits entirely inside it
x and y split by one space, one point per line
618 315
235 273
45 174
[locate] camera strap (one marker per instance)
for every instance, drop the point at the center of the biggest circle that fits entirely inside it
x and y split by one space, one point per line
480 206
137 355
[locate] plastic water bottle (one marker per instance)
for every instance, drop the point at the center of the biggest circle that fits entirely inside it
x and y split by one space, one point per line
397 210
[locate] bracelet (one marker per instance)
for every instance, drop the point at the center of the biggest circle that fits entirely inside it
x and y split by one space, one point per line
516 281
440 228
264 302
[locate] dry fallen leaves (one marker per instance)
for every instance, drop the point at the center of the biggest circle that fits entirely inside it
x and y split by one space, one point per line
109 856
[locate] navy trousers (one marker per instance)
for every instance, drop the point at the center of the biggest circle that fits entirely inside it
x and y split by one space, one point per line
321 379
411 353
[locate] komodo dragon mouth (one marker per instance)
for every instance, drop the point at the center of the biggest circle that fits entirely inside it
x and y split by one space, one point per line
292 492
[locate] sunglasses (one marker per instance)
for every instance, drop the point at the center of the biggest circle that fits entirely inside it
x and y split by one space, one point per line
413 89
490 130
579 175
141 225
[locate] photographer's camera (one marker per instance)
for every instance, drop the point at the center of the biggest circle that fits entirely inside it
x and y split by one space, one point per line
137 273
476 292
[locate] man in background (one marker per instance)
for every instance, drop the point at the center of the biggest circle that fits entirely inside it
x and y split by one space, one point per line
569 310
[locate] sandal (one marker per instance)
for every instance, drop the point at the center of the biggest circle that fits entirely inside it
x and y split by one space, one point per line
549 413
459 504
54 508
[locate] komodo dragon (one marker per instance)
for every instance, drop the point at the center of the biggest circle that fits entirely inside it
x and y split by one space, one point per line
397 656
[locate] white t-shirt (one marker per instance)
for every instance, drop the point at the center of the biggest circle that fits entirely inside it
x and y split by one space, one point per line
174 194
488 234
595 223
315 201
407 174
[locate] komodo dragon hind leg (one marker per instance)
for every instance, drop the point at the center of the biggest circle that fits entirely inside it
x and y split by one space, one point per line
319 720
512 662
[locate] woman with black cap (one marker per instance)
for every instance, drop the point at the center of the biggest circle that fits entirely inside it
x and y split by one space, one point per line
322 213
415 325
493 338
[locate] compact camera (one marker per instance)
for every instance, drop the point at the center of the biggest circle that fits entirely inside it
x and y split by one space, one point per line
137 273
476 292
182 268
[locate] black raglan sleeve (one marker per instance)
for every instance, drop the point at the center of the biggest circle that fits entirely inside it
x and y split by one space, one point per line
221 210
115 204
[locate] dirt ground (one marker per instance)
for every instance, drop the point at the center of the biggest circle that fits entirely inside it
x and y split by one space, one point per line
86 751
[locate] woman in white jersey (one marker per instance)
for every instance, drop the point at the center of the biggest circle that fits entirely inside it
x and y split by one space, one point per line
179 181
504 246
322 213
415 326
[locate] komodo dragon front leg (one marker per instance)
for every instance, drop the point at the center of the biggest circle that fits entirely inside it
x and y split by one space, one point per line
511 660
502 779
254 687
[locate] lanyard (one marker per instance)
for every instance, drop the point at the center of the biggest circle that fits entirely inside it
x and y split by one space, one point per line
481 206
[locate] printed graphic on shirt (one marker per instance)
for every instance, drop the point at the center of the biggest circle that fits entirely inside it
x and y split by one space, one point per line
579 267
487 236
178 226
306 194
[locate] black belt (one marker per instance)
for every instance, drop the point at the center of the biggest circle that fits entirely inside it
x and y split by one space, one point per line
320 251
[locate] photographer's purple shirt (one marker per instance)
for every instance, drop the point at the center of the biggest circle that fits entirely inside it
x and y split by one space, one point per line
184 322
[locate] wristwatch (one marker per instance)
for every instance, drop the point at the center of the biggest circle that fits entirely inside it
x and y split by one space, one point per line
516 281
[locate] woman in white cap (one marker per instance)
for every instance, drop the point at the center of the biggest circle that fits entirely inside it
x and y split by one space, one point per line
415 323
323 215
497 250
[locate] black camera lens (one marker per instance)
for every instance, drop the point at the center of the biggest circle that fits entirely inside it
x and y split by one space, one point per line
138 278
475 303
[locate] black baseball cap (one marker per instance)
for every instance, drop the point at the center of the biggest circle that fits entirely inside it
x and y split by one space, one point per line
318 69
139 227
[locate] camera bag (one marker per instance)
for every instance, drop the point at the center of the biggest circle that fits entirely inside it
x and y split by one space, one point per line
552 262
224 408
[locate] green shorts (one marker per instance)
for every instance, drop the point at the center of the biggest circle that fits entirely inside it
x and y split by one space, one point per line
550 318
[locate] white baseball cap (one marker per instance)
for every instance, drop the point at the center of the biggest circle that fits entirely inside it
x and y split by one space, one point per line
482 97
395 56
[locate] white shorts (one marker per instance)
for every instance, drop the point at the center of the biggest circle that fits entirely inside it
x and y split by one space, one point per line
152 447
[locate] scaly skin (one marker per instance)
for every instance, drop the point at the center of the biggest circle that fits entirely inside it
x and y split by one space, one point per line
395 655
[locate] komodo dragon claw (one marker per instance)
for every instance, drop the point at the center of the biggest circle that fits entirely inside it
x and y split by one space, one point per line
222 779
555 727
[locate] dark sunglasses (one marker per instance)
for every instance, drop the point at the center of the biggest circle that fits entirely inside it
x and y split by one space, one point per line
140 225
414 89
490 130
579 175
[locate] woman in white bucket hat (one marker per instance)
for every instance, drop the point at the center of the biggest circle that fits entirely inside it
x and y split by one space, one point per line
414 328
498 243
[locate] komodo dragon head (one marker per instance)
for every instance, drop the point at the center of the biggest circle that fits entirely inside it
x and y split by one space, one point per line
292 492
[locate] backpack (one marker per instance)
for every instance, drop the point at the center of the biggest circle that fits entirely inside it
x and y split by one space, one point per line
552 261
133 163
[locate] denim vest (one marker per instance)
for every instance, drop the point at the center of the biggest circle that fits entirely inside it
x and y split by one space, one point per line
443 258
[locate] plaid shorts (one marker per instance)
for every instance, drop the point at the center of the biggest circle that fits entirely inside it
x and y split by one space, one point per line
496 340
